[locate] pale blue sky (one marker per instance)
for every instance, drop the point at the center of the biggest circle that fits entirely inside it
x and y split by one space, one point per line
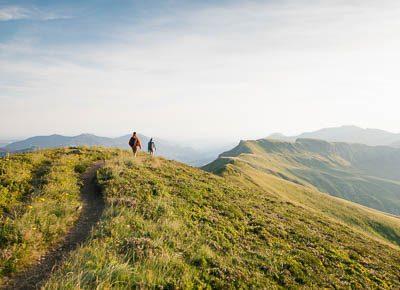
196 69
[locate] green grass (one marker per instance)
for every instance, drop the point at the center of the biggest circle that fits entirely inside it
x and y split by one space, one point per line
39 202
362 174
168 225
377 225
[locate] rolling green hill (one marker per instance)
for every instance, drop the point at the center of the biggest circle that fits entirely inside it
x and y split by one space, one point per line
168 225
367 175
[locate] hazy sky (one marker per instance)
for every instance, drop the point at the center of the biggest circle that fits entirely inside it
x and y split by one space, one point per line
194 69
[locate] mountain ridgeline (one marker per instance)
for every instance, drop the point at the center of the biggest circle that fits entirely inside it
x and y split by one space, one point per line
165 148
348 134
396 144
363 174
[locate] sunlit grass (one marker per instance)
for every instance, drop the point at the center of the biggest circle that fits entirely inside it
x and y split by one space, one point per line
39 202
172 226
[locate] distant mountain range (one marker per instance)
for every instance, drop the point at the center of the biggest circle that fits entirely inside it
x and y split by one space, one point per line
165 148
348 134
199 157
4 142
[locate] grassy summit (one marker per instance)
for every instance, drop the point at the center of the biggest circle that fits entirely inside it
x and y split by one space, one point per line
168 225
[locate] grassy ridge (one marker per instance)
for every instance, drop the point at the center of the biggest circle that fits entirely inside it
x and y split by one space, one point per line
39 202
168 225
359 173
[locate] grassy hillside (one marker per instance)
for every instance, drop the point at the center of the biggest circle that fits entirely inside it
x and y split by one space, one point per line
168 225
367 175
39 202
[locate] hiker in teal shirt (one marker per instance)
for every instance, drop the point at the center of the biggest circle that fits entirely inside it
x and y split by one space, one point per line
151 147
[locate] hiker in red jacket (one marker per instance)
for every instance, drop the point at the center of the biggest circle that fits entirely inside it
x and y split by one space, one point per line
135 144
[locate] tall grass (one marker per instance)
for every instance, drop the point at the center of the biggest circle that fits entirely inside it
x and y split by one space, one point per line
39 203
172 226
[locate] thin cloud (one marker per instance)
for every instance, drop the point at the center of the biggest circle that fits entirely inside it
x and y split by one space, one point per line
11 13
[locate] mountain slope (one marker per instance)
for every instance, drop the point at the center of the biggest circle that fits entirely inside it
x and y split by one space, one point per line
348 134
367 175
168 225
39 202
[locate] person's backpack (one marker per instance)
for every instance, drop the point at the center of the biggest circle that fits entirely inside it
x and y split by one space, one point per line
150 146
132 142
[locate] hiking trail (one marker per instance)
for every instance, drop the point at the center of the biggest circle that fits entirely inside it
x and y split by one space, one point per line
93 206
